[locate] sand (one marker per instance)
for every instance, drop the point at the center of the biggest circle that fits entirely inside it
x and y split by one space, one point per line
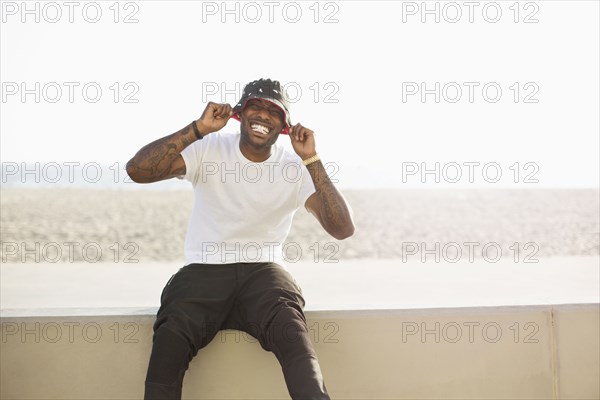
125 226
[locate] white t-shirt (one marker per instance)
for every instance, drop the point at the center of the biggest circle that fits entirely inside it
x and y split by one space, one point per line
243 210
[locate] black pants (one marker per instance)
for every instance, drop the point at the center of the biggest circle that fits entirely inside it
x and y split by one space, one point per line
261 299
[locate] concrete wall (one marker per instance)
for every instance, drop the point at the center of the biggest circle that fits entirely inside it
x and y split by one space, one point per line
520 352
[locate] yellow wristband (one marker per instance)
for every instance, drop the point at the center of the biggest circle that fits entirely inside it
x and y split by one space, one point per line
311 159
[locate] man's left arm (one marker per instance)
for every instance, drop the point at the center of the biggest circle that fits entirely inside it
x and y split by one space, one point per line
327 204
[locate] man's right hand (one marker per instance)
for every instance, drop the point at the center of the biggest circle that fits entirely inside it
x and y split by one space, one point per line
214 117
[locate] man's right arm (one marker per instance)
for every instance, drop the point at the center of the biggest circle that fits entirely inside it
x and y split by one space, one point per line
162 158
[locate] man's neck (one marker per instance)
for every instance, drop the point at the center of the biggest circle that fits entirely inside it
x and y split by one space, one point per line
254 154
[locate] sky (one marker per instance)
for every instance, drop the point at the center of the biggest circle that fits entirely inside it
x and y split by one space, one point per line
400 94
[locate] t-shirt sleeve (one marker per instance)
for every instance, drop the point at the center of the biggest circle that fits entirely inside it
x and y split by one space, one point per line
307 187
192 156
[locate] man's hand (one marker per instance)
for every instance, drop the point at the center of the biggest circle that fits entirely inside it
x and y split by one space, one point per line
303 141
214 117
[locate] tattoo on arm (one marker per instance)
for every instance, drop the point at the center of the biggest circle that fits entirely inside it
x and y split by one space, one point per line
153 162
334 209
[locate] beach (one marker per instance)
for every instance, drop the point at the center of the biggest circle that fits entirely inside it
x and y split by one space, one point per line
59 225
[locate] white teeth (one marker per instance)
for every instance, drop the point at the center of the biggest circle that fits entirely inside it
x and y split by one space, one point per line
259 128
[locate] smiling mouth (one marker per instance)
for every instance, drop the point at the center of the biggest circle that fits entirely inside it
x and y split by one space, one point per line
262 129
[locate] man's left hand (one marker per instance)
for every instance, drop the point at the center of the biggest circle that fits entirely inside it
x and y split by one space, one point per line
303 141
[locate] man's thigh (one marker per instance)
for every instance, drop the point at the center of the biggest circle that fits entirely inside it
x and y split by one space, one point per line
267 291
196 301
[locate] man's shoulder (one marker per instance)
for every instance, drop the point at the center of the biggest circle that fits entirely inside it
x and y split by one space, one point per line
218 142
221 137
286 156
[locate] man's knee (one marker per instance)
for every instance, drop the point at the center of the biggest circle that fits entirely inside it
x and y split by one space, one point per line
286 330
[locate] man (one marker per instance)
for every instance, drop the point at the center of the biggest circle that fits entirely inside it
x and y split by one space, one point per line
247 190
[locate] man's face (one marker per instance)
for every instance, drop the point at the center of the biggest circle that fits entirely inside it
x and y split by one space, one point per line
261 122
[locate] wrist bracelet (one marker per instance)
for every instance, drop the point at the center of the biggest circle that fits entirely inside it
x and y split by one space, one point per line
196 131
311 159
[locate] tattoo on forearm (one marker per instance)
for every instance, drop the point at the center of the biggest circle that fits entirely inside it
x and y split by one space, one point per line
334 210
153 161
